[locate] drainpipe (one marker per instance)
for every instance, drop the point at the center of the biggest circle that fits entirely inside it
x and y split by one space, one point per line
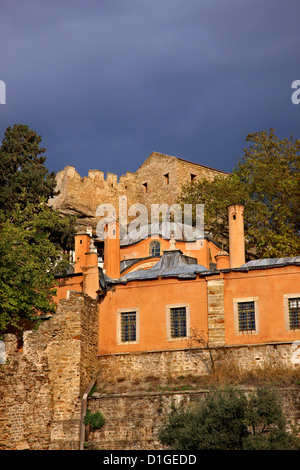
83 413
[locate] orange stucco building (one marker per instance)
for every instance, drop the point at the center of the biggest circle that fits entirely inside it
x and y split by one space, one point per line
154 291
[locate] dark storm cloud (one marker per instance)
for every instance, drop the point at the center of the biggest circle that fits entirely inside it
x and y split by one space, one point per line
107 82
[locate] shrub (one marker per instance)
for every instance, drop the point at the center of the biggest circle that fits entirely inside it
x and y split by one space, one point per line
94 420
229 419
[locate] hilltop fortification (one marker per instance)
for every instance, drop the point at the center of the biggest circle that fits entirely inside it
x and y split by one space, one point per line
158 180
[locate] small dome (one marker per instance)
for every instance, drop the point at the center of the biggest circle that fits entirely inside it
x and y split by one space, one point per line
222 253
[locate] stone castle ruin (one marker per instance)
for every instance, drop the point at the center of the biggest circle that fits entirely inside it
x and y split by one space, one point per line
158 180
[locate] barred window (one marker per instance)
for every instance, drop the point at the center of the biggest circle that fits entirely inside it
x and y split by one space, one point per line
128 326
178 322
154 248
246 316
294 313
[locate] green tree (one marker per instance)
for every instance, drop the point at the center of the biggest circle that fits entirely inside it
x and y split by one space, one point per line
229 419
29 262
23 176
34 238
267 182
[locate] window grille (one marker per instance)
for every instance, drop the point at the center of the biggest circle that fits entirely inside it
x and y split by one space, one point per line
128 326
246 316
154 248
178 322
294 313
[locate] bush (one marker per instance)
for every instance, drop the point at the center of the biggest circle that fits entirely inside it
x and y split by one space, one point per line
229 419
94 420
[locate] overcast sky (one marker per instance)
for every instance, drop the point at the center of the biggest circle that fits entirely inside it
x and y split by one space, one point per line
107 82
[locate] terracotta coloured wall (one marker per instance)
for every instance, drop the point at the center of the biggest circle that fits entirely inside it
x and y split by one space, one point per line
151 298
216 314
69 283
205 252
268 286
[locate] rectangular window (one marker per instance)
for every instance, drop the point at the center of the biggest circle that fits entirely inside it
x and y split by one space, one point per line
294 313
291 303
246 316
128 326
178 321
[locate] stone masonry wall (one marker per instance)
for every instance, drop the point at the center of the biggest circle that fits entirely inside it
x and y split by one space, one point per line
132 419
170 364
41 386
133 413
158 180
215 307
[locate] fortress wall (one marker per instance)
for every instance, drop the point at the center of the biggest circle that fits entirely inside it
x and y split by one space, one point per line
41 386
158 180
133 419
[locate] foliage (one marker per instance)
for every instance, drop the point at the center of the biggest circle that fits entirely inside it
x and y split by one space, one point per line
29 261
23 176
94 420
267 182
230 419
33 237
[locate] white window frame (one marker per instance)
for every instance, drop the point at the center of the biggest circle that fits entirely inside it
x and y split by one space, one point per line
236 315
286 298
119 328
168 321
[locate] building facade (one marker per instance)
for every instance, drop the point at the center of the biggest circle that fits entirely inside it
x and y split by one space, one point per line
155 293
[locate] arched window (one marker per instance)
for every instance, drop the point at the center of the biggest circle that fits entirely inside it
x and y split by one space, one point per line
154 248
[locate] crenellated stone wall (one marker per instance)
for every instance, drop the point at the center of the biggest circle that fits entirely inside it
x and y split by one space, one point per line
158 180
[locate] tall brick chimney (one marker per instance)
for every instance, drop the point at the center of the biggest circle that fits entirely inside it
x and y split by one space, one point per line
91 272
236 236
82 244
111 265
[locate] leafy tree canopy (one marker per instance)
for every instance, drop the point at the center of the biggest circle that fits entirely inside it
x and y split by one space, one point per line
33 237
29 261
23 175
267 182
230 419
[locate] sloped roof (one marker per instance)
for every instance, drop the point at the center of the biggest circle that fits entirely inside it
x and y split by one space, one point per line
272 262
172 264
